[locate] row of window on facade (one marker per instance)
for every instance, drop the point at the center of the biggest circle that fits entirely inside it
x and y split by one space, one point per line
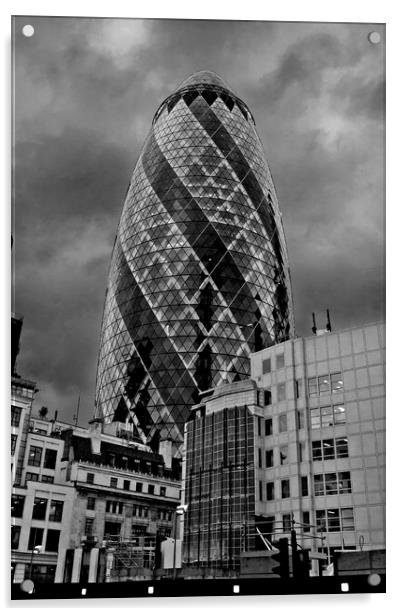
326 520
118 507
322 417
326 449
36 537
317 385
127 485
112 530
325 484
40 509
35 457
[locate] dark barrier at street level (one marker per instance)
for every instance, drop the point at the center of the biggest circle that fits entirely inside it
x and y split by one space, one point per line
207 587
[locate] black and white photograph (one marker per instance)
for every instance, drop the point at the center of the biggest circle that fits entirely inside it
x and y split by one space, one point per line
198 307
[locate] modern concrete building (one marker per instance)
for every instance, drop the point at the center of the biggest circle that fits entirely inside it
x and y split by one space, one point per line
199 276
312 460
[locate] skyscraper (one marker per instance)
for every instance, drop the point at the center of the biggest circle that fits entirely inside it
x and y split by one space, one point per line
199 276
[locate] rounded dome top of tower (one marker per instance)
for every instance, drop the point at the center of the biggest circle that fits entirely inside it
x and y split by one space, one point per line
204 78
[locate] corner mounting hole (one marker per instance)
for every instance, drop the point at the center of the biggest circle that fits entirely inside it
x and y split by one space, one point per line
345 587
374 37
28 30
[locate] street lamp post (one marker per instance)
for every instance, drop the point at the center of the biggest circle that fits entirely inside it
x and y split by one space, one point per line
35 550
180 510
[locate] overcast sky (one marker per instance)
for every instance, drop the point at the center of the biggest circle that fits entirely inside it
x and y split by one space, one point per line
85 94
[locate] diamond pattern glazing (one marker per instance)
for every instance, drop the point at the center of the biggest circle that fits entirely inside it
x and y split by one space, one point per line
199 274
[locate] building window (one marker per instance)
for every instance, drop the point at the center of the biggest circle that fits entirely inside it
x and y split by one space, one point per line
259 426
269 458
162 491
151 489
139 511
15 537
327 416
89 527
15 416
31 477
347 519
56 510
259 458
47 479
280 361
35 456
269 527
329 520
339 414
336 382
266 365
306 521
17 505
39 509
270 491
300 451
112 530
323 384
341 447
13 443
126 485
138 530
138 487
283 454
298 388
283 422
260 490
285 488
329 449
268 427
312 386
90 477
114 507
287 522
281 392
304 485
267 397
332 483
113 482
52 540
91 500
50 458
35 537
300 420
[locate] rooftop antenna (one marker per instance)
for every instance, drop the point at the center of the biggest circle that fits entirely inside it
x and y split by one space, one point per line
77 413
328 326
314 328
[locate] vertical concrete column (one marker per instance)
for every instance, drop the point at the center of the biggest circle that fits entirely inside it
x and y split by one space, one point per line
19 573
75 575
93 564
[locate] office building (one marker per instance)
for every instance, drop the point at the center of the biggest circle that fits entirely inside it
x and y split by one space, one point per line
312 459
199 275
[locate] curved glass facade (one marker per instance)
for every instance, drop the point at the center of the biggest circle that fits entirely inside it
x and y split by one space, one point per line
199 276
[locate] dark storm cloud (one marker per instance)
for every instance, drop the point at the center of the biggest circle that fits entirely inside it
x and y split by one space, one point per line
86 92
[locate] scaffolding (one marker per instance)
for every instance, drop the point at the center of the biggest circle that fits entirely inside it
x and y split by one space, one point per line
129 559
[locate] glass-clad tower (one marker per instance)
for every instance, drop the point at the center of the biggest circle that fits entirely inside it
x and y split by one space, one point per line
199 276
